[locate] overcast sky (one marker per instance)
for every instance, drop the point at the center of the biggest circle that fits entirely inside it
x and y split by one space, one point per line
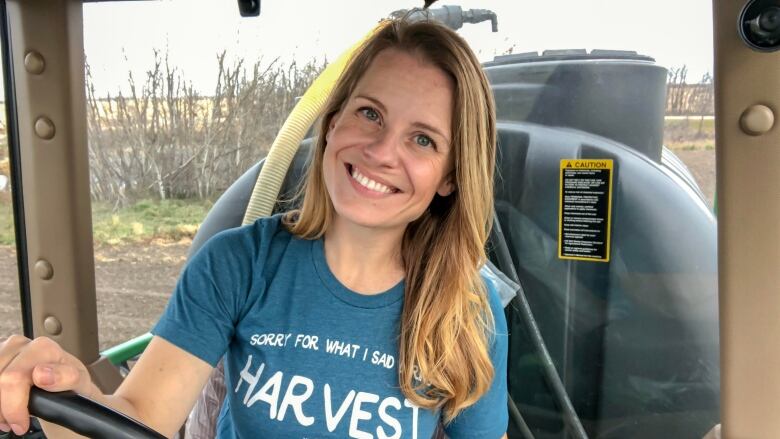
120 36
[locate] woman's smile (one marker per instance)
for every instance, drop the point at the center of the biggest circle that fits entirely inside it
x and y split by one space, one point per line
369 185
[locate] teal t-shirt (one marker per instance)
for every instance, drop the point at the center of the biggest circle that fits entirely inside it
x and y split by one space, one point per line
305 356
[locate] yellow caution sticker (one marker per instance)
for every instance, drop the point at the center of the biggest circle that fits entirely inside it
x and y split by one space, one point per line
585 210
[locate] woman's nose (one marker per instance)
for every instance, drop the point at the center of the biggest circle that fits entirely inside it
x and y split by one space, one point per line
384 149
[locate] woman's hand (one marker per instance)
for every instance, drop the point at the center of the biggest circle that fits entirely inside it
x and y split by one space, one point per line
159 391
42 363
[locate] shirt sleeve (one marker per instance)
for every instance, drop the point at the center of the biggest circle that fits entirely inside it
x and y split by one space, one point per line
206 304
488 418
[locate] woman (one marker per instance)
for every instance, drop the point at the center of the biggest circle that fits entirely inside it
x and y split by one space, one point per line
362 313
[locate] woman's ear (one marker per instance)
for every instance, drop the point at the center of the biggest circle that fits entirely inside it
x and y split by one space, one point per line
447 185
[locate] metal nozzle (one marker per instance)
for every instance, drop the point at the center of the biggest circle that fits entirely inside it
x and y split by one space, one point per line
450 15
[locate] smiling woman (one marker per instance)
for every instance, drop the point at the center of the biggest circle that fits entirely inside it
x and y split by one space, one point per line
440 208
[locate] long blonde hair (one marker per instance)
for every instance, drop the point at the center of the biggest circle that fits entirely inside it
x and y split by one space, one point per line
446 320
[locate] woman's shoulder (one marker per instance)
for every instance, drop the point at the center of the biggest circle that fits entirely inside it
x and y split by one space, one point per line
262 229
253 239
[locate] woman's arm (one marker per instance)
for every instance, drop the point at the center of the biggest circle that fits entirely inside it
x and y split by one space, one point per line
161 388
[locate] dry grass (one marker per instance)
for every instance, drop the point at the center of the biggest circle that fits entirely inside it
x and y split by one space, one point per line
694 133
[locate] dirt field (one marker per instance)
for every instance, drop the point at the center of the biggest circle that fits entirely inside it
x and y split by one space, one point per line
702 165
134 281
133 285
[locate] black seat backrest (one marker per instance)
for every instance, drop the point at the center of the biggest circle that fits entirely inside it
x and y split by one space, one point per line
228 211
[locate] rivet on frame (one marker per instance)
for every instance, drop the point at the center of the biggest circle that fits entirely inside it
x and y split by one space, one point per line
757 120
34 63
52 325
44 128
43 269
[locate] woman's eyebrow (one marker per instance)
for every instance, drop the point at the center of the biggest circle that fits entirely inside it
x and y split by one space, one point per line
427 127
375 101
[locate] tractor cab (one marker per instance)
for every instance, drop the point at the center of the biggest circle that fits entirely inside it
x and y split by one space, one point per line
637 281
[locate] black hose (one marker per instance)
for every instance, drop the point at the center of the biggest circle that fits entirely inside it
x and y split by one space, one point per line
516 416
521 306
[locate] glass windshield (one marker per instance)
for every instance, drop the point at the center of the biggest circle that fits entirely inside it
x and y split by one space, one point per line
604 193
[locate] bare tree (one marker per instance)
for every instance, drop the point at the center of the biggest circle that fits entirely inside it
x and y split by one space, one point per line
683 99
164 139
704 101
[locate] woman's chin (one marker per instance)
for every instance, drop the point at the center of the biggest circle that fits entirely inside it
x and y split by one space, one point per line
369 219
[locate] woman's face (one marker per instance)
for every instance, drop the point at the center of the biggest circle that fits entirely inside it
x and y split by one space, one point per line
389 148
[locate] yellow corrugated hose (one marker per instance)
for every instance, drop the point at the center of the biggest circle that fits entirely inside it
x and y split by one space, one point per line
280 156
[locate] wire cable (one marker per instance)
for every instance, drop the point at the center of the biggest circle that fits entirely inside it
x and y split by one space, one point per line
521 306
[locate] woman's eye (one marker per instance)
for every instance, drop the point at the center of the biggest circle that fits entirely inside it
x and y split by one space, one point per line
370 113
424 140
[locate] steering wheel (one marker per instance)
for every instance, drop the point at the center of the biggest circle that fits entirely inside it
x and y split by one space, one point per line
86 417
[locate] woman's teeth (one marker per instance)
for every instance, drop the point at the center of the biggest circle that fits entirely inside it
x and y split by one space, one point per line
369 183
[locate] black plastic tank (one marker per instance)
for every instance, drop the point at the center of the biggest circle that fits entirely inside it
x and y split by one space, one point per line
635 339
616 94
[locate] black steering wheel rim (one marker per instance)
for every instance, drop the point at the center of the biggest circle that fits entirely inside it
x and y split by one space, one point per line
86 417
